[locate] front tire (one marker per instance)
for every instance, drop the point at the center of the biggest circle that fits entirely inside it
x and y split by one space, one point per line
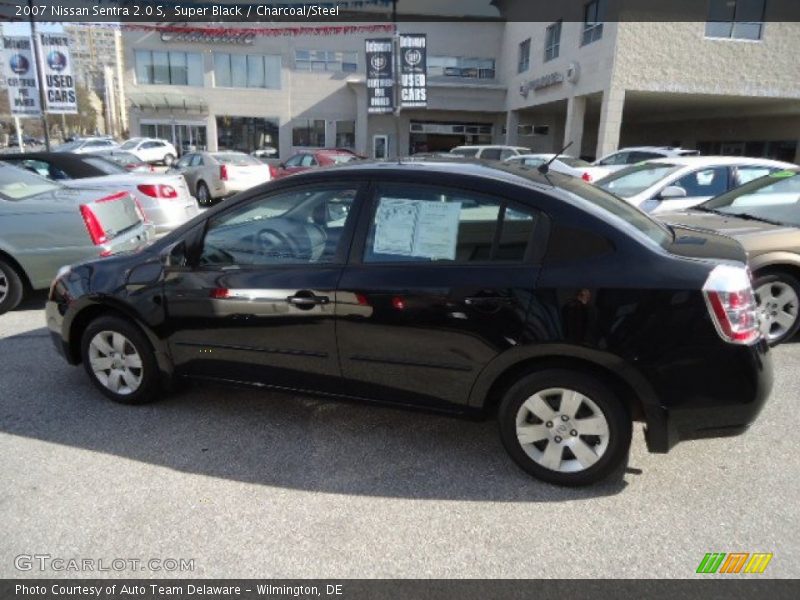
168 160
778 298
203 195
565 427
120 361
11 288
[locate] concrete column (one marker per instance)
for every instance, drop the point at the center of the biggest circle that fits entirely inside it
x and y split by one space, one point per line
797 154
573 126
512 122
610 121
362 122
211 133
330 133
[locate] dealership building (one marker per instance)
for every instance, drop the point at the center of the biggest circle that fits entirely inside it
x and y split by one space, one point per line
720 87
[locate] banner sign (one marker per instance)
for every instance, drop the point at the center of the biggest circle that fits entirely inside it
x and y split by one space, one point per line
59 84
380 76
19 74
413 71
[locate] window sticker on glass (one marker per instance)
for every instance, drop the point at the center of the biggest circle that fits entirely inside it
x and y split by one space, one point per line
417 228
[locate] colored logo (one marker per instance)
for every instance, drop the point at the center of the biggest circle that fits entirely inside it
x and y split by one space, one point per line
735 562
56 60
19 64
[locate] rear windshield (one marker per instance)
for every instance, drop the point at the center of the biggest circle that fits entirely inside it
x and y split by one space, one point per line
237 160
774 198
573 162
465 151
618 207
106 166
342 158
635 179
18 184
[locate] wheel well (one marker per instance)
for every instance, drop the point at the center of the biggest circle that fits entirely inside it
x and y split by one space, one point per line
81 322
508 377
792 270
18 268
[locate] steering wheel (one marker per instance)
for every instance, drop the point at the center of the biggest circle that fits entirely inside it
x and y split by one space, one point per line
269 240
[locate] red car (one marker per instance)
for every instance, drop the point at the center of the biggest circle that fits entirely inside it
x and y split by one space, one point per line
311 159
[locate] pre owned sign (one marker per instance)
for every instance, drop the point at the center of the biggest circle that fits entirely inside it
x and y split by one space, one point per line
59 83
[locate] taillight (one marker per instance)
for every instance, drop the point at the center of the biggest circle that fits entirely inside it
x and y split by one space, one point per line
158 191
223 172
586 177
273 172
732 304
93 226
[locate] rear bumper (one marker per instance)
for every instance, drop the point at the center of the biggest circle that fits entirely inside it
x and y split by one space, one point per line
726 403
166 217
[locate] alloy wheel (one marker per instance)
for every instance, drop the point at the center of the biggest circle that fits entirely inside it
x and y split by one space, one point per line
778 304
115 362
562 430
3 286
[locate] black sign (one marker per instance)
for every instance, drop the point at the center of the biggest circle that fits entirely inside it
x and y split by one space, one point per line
380 76
413 70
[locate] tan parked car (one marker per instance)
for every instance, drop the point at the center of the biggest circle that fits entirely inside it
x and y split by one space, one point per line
214 175
764 216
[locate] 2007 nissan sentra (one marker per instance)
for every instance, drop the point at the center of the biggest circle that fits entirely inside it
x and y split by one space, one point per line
535 298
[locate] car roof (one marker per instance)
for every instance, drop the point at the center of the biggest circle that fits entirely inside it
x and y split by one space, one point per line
703 161
674 149
484 146
75 163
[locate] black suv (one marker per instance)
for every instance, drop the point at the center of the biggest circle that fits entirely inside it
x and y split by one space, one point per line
455 287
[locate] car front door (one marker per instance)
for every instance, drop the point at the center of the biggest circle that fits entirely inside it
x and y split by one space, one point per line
256 302
439 283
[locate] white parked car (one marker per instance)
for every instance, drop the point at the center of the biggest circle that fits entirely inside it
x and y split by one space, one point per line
88 145
214 175
681 182
490 152
634 155
568 165
151 150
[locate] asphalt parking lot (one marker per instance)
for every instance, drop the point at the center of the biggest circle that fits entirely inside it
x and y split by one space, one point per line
263 484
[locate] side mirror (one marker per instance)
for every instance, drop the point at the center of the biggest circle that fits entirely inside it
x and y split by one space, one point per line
175 255
672 191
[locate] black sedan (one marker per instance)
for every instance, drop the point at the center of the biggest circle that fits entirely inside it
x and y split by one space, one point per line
466 288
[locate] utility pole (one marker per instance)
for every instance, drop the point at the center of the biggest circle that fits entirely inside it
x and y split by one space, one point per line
37 60
396 54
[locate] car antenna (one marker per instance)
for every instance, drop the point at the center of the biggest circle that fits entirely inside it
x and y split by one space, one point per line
545 167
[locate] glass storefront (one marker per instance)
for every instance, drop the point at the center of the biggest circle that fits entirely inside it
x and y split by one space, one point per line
186 137
247 134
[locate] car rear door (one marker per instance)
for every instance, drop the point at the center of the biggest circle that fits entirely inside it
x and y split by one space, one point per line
700 184
258 303
439 283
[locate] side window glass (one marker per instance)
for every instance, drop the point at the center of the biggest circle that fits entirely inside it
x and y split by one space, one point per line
491 154
185 161
506 154
293 227
533 162
707 182
294 161
307 161
620 158
426 224
197 161
747 174
637 157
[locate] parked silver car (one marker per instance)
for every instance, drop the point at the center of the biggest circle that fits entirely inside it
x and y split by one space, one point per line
44 226
214 175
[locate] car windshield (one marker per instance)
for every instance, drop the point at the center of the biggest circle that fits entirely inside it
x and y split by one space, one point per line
629 214
775 197
635 179
106 166
465 151
129 145
18 184
237 160
68 147
576 163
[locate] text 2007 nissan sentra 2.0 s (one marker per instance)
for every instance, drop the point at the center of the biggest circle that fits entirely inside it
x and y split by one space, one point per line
536 298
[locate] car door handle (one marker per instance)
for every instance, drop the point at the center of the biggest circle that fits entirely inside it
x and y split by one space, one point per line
484 300
307 299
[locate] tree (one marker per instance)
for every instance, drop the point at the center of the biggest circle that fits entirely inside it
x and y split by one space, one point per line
86 120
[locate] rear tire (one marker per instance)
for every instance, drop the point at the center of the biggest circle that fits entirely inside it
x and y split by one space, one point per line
778 297
120 361
168 160
203 195
11 287
565 427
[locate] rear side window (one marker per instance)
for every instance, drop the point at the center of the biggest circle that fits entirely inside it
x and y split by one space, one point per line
491 154
426 224
707 182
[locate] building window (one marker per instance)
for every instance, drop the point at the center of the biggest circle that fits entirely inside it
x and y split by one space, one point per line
308 133
593 14
247 134
455 66
346 134
247 71
524 58
169 68
552 41
325 60
735 19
